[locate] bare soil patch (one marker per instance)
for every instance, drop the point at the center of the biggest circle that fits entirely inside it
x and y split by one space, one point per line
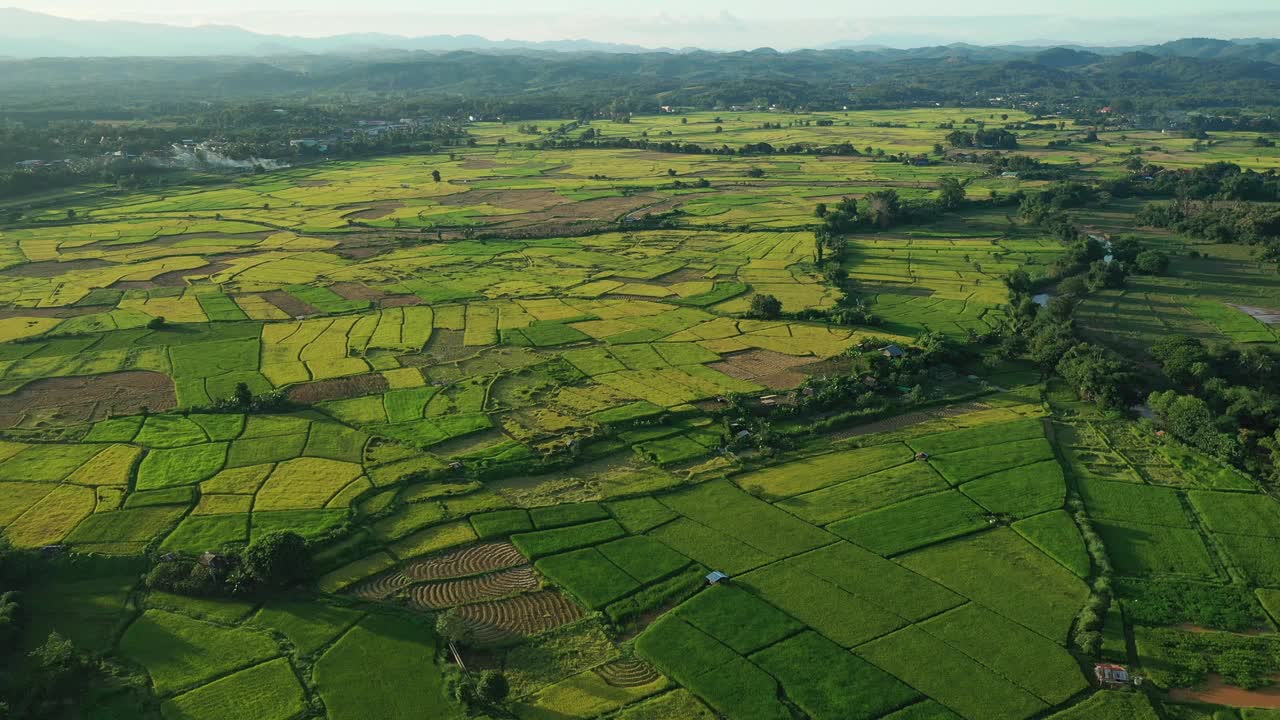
518 617
1266 316
338 388
897 422
289 304
493 586
178 278
683 275
54 268
774 370
356 291
378 211
527 200
70 400
391 301
1217 692
478 559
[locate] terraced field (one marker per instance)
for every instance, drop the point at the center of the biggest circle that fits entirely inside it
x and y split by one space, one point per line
503 397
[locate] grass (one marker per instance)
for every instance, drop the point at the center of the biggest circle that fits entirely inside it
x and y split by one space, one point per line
723 507
642 514
675 704
884 583
978 437
682 651
1237 513
710 548
807 475
949 676
1020 492
501 523
355 571
841 616
383 667
912 523
829 683
1257 557
965 465
181 466
1039 665
1140 550
737 618
588 576
739 689
553 516
179 652
584 695
1057 536
1111 705
539 544
1005 573
200 533
269 691
1133 503
309 626
864 494
643 558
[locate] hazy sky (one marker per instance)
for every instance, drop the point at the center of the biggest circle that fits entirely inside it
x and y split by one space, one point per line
710 23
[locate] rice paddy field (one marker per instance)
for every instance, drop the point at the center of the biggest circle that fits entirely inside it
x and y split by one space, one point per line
498 396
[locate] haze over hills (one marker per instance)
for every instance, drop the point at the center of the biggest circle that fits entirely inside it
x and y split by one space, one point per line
26 34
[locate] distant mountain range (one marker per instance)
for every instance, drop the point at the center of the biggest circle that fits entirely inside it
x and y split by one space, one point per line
25 34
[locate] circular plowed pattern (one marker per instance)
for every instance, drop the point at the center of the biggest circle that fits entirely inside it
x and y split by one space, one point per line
451 593
474 560
520 616
380 587
627 672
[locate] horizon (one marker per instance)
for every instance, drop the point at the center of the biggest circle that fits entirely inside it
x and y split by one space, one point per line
714 31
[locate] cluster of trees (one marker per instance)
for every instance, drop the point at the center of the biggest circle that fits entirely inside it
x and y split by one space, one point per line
1226 400
275 560
997 138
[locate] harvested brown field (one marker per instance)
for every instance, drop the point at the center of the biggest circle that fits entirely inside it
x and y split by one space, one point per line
494 586
338 388
1217 692
357 291
1267 316
774 370
54 268
378 211
898 422
465 562
391 301
525 200
521 616
290 304
70 400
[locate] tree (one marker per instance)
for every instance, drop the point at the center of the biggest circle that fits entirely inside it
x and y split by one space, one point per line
277 559
156 323
451 627
1151 262
951 193
755 172
883 207
243 396
820 210
435 175
492 687
766 307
